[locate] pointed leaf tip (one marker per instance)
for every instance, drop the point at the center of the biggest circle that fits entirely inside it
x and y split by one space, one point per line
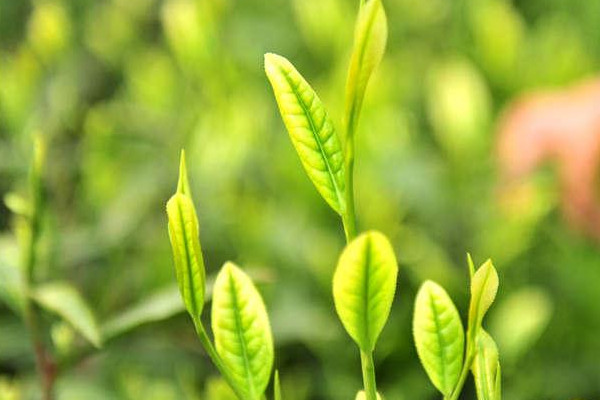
183 185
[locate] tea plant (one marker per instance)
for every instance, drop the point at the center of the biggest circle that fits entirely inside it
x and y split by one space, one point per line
364 281
243 343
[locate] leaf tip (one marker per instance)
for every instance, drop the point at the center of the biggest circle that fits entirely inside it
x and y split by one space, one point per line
183 185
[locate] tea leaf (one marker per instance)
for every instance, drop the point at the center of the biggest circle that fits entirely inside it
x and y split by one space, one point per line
363 287
362 396
484 286
64 300
370 36
486 368
310 129
187 253
183 185
439 336
242 331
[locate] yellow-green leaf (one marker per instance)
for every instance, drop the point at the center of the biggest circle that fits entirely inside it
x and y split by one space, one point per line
362 396
187 253
363 287
484 286
310 129
64 300
439 336
242 331
370 36
486 367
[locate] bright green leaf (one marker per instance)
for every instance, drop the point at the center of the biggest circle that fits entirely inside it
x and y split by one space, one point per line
362 396
486 367
363 287
183 185
242 331
310 129
370 37
11 279
64 300
439 336
187 253
484 286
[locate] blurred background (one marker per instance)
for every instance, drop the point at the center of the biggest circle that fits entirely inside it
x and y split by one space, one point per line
480 132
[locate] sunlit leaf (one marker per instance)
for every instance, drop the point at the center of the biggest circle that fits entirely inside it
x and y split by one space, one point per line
484 286
185 243
242 331
486 367
310 130
439 336
370 37
64 300
363 287
361 395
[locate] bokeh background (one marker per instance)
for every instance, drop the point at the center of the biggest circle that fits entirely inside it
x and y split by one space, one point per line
118 87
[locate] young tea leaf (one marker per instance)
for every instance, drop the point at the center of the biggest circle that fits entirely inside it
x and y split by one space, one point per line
485 368
363 287
484 286
439 336
64 300
362 396
310 129
187 253
242 331
370 37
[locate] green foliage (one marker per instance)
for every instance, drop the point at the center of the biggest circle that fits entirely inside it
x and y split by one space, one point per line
364 284
276 386
484 286
439 336
187 253
362 396
370 37
64 300
242 331
310 129
486 368
156 307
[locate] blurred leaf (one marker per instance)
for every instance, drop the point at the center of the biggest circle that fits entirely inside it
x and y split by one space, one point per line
242 331
64 300
364 284
486 368
310 130
187 252
159 306
11 280
519 320
370 37
439 336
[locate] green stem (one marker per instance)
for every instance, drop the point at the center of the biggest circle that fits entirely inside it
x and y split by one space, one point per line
368 372
216 359
349 215
45 365
463 375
